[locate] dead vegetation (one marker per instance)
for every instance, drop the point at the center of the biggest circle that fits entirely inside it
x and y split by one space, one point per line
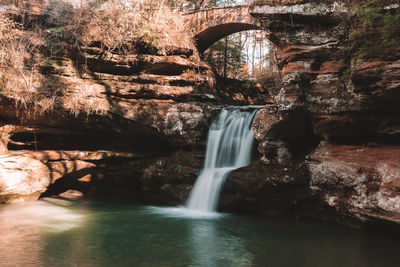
68 28
19 78
118 25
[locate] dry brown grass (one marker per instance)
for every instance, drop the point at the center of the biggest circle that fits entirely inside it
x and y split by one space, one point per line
118 25
19 57
71 25
150 21
86 98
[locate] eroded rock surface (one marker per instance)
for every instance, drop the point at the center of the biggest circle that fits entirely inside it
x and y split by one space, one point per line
284 132
328 140
274 189
362 181
111 117
347 105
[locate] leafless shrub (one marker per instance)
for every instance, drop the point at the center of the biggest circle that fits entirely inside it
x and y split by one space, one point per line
19 57
77 24
118 25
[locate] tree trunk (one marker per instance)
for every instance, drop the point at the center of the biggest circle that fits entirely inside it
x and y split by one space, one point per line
225 55
200 4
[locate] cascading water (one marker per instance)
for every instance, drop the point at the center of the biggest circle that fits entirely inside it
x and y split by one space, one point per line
229 146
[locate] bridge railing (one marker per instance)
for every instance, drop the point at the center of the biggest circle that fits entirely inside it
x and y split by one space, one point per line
213 8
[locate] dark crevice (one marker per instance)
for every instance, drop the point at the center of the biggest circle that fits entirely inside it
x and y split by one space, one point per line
69 182
182 83
109 67
166 69
87 142
295 22
366 139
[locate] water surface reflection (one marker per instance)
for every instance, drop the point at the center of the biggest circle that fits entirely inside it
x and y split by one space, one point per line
63 233
24 226
212 246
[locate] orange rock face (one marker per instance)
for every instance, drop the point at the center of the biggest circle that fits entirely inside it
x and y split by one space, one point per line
110 110
25 175
329 139
22 178
358 180
353 114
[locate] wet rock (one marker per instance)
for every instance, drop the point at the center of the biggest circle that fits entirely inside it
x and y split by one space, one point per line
379 81
27 175
22 178
277 189
158 180
350 105
284 132
106 109
359 181
71 194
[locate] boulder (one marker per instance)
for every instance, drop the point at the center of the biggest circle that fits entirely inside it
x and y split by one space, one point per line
284 132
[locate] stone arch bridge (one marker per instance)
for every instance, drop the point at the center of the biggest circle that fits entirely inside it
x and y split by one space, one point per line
210 25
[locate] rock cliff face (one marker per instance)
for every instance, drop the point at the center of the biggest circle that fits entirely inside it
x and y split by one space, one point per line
115 119
334 116
361 181
328 141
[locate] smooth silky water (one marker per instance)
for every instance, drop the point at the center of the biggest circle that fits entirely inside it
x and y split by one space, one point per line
54 232
229 147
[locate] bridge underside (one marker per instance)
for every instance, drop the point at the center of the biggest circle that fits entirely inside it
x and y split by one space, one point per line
208 37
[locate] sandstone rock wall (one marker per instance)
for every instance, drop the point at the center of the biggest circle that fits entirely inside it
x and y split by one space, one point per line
335 116
114 116
328 141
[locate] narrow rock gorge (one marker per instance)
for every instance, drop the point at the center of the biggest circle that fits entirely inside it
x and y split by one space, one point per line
135 125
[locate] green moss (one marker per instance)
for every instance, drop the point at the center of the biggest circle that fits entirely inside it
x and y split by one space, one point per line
376 31
57 29
166 187
47 62
269 2
188 187
184 157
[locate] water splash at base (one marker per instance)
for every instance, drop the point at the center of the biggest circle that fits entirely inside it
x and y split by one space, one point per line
229 146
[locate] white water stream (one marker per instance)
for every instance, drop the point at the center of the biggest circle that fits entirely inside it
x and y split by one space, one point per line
229 146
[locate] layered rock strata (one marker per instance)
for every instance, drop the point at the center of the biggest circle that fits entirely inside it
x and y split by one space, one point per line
112 118
328 141
334 116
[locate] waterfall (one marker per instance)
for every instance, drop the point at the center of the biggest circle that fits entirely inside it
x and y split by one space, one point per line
229 146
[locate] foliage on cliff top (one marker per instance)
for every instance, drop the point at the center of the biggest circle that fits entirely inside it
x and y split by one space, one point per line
19 51
287 2
66 27
376 31
118 25
294 2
